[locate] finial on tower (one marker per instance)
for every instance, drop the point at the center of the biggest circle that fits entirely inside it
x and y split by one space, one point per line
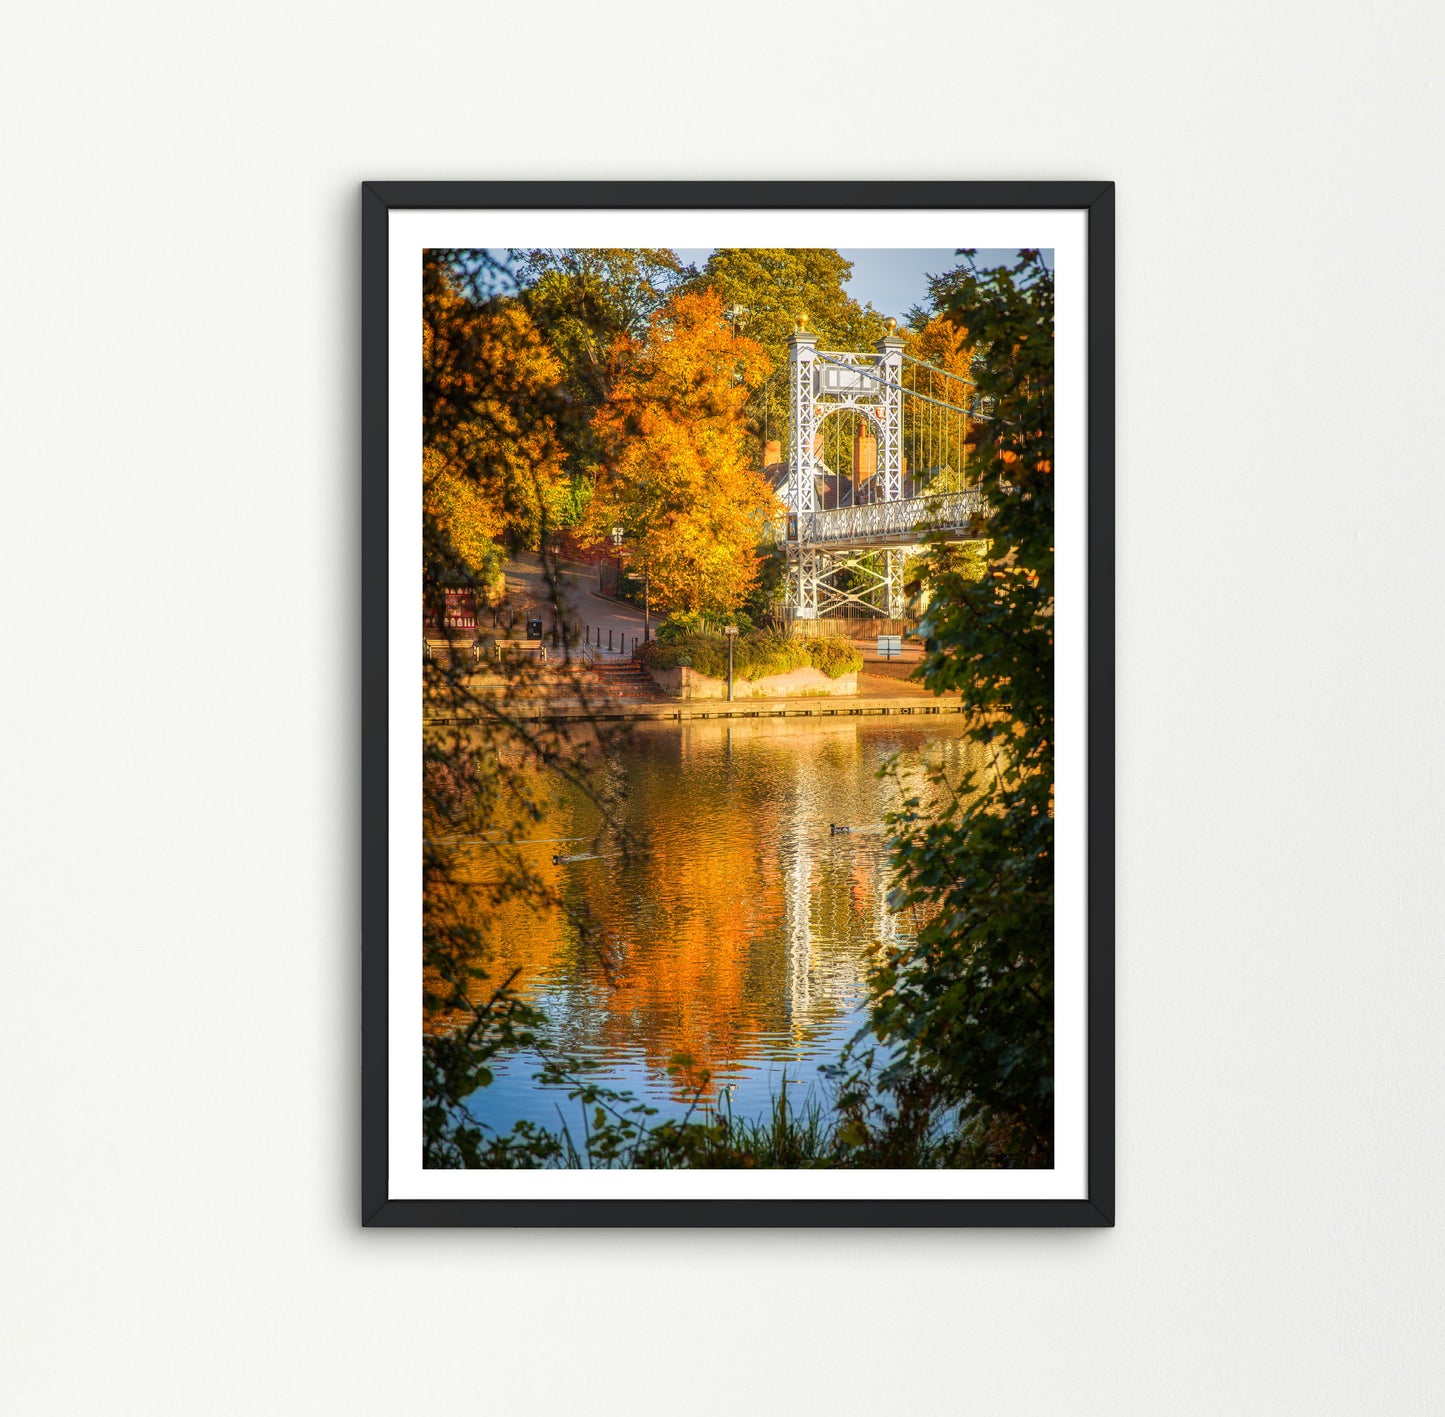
890 324
801 322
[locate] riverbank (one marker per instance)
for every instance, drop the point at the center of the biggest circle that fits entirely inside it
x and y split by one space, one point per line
543 711
883 684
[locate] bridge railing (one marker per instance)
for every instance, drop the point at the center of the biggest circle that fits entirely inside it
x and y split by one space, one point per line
908 518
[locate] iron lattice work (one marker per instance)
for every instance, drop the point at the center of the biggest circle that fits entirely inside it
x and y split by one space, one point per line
902 523
901 478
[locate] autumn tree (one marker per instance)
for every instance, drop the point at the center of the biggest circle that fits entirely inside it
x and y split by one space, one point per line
774 287
936 448
493 471
583 301
492 462
677 476
943 344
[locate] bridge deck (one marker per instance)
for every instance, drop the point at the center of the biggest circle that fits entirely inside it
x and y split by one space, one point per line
903 522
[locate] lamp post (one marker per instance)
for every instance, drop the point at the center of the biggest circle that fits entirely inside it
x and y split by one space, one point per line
731 631
618 532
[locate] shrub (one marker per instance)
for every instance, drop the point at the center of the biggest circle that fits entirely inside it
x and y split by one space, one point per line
693 622
759 655
755 656
680 625
835 656
699 651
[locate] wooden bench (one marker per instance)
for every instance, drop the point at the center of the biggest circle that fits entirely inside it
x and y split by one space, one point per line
477 649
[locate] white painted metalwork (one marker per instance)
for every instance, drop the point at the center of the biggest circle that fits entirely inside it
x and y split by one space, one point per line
890 444
869 540
797 862
805 424
868 582
893 600
823 384
802 583
906 522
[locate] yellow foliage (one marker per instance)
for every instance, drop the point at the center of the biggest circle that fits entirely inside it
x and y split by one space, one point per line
462 515
493 463
944 345
676 475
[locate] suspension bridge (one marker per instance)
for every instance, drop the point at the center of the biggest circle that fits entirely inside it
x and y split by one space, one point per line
877 454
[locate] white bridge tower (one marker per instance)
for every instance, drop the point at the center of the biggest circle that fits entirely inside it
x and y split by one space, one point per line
823 383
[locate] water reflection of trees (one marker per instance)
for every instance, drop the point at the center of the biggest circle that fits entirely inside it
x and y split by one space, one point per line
740 928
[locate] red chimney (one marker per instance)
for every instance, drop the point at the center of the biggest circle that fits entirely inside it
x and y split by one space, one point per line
865 456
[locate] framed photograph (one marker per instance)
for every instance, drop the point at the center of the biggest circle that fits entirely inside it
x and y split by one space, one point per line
737 703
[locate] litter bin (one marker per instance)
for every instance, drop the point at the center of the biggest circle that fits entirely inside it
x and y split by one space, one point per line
534 629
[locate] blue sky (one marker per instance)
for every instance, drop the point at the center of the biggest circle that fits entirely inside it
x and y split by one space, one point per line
891 280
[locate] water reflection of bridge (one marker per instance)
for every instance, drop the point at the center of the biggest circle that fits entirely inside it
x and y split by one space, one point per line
806 855
740 932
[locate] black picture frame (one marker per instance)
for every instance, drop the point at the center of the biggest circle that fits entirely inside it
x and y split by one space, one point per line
1096 199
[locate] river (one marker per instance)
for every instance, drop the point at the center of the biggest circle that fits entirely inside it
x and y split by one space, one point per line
739 929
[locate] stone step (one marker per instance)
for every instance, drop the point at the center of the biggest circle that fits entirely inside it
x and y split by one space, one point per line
627 680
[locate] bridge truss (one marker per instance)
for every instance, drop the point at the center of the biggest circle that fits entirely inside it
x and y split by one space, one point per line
877 454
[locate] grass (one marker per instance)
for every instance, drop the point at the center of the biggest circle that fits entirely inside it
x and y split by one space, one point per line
812 1135
816 1135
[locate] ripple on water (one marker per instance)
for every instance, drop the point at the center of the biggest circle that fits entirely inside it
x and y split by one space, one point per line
737 932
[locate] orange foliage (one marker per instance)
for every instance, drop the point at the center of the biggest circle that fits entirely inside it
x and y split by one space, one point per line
703 953
492 461
676 474
944 345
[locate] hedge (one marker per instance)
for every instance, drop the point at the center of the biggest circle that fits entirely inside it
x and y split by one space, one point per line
755 656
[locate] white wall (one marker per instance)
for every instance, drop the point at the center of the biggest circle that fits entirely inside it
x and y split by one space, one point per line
178 1040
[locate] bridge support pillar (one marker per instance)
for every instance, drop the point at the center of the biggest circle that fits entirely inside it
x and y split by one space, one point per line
802 584
894 590
890 416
